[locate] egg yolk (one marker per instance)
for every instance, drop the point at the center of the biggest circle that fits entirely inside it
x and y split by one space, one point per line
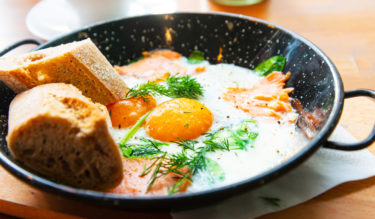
179 118
125 113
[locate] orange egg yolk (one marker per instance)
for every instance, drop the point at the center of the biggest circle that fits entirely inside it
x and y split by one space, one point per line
125 113
179 118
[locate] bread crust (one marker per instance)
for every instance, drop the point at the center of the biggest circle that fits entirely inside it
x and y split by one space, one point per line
79 63
55 130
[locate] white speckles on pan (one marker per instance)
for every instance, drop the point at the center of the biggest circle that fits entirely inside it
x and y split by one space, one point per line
243 42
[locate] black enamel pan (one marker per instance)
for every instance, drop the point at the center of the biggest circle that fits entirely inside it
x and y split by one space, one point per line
244 41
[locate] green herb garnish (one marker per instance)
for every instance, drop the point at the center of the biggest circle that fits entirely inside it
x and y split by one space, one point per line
176 87
135 60
178 186
136 151
271 201
183 87
185 144
172 164
158 172
153 142
149 88
275 63
133 129
196 57
149 149
237 137
214 170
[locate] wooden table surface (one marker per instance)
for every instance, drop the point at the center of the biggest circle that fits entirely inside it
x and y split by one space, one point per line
344 29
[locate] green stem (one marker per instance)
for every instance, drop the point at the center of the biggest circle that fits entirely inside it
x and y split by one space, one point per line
134 129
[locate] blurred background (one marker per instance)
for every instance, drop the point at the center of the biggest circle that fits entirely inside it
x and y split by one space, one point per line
341 28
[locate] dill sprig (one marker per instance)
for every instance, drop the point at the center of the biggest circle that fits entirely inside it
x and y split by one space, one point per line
149 88
198 162
183 87
237 137
157 172
154 143
178 186
271 201
172 164
175 87
185 144
164 165
150 149
213 145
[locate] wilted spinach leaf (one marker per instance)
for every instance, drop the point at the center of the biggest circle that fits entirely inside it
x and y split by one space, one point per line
275 63
196 57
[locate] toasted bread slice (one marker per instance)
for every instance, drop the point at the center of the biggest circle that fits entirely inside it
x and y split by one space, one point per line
78 63
55 130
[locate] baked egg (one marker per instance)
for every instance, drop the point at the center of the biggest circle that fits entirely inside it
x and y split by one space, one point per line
239 125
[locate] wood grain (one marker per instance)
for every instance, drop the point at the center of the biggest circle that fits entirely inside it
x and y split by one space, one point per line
343 29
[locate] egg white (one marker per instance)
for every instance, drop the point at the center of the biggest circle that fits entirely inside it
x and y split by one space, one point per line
274 144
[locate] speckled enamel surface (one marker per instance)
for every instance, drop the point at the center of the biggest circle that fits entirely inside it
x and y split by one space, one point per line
241 41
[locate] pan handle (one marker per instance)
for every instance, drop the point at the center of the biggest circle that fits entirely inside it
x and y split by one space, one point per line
19 43
362 144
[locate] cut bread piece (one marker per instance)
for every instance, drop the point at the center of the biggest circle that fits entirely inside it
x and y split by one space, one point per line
55 130
78 63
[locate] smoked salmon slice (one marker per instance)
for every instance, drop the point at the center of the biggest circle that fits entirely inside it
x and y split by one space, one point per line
134 184
155 64
266 98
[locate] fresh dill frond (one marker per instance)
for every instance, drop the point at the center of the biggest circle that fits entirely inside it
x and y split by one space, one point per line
154 143
156 173
177 161
213 145
136 151
164 165
149 168
149 149
183 87
186 144
173 163
271 201
175 87
237 137
198 162
149 88
177 187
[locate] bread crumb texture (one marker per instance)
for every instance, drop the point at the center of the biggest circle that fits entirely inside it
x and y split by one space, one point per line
56 131
79 63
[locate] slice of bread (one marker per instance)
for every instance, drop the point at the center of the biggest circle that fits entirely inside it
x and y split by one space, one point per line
55 130
78 63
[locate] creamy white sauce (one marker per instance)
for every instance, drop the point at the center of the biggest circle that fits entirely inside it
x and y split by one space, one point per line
274 144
